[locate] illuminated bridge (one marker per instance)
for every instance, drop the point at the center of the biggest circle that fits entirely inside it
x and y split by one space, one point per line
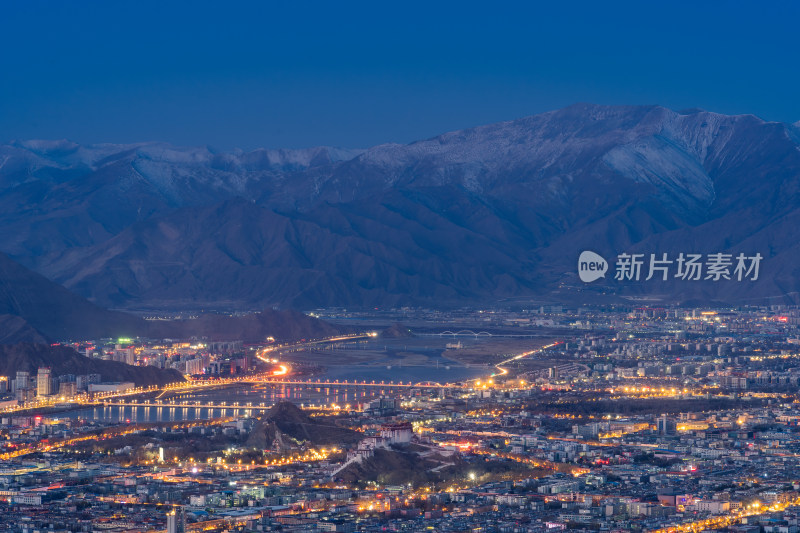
476 334
222 407
172 404
332 384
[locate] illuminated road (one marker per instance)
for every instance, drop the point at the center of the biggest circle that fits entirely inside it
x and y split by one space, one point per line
48 446
504 371
538 463
719 522
278 348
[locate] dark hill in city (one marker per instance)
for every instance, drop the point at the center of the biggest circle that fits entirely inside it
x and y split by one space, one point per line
420 465
500 211
396 331
29 357
291 426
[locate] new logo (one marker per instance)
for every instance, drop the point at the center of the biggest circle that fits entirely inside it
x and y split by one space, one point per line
591 267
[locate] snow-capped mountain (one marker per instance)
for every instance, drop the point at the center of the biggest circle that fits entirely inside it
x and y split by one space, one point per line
495 211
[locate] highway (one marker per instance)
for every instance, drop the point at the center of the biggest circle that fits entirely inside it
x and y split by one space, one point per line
278 348
501 366
48 446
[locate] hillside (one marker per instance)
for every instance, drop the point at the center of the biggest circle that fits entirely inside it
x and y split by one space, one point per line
14 329
391 467
34 309
50 311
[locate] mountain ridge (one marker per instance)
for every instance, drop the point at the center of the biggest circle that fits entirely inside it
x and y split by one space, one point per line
480 214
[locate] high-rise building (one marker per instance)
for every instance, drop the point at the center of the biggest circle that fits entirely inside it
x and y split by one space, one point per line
176 520
22 381
666 425
44 384
194 366
68 389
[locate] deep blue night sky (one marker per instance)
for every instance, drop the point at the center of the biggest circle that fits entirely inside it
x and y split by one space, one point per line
295 74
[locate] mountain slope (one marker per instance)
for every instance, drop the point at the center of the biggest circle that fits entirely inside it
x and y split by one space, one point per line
14 329
36 310
54 311
376 255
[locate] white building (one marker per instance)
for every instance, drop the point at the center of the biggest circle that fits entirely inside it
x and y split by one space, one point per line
44 382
